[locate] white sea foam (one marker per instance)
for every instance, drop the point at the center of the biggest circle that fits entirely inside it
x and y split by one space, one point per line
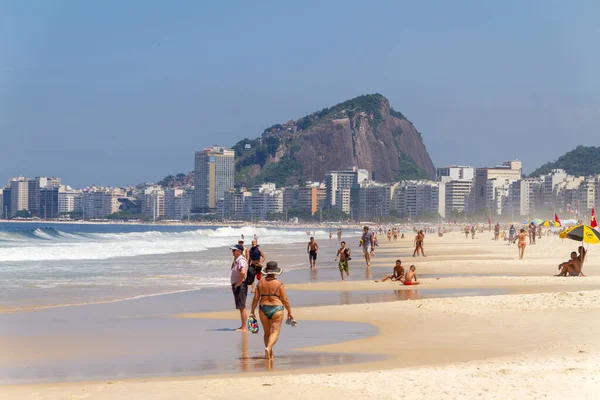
49 244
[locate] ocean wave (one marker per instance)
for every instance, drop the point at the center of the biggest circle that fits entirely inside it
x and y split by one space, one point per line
48 243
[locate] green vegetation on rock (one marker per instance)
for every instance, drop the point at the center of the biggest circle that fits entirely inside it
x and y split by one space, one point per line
409 170
582 161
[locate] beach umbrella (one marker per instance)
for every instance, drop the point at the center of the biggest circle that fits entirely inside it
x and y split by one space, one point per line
548 223
582 233
537 221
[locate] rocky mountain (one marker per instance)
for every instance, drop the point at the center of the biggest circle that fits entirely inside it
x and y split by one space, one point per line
582 161
364 132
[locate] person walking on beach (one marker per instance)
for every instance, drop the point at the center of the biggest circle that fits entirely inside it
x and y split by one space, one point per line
339 233
389 235
496 231
411 277
329 235
473 232
533 229
343 254
239 269
522 244
397 273
466 232
419 243
257 258
511 234
271 299
312 248
368 245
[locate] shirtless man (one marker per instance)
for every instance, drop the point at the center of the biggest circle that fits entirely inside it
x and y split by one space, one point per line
419 243
389 235
571 267
312 248
397 274
411 277
344 255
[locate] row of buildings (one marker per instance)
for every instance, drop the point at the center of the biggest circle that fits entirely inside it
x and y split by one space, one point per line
458 191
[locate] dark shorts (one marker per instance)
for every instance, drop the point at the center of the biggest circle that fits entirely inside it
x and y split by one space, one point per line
239 295
312 255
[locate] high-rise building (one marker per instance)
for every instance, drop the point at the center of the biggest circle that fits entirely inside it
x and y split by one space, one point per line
6 202
455 173
413 198
69 200
308 198
49 203
266 200
214 176
236 204
337 180
153 202
370 200
99 202
19 189
457 192
509 170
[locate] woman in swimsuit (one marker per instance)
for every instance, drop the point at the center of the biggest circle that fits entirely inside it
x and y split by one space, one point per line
522 244
271 299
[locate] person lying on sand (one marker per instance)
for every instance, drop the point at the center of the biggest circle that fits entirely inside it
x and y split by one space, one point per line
397 273
571 267
411 277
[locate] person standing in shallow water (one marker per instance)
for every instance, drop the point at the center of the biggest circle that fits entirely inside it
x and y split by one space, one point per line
239 269
312 248
271 299
344 255
419 244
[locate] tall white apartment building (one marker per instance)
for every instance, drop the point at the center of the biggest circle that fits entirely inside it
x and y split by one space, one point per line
153 202
68 200
236 204
413 198
508 171
266 199
496 193
525 198
456 194
214 175
551 180
337 180
178 203
586 195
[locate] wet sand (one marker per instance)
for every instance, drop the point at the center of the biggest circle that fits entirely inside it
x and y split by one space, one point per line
541 341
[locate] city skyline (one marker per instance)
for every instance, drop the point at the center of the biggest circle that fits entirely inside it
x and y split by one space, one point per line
124 105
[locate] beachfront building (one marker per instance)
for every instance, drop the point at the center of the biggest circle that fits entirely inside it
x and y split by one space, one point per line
496 194
524 198
551 180
178 203
3 213
69 200
266 200
455 173
456 194
565 195
481 197
310 197
586 195
100 202
370 200
214 175
152 202
6 194
49 202
236 204
413 198
338 180
19 189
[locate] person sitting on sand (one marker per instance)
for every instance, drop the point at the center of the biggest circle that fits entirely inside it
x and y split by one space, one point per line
571 267
397 273
271 299
581 256
411 277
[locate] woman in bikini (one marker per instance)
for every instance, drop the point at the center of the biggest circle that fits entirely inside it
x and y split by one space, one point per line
522 244
271 299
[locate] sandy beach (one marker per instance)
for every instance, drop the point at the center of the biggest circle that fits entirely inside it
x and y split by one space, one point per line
539 340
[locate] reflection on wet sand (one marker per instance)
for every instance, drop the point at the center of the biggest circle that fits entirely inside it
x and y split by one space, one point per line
347 297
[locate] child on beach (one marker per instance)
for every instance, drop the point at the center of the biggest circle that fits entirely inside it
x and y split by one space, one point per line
397 273
411 277
344 255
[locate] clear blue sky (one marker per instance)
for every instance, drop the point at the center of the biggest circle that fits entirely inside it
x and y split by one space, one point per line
121 92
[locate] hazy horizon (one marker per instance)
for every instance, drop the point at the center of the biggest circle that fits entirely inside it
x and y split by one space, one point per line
122 93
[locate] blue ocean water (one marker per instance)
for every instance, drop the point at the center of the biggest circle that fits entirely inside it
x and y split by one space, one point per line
54 264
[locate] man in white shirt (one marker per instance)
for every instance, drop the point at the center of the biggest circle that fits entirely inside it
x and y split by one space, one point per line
239 270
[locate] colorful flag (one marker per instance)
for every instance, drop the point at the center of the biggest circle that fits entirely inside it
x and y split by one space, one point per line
557 220
593 224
